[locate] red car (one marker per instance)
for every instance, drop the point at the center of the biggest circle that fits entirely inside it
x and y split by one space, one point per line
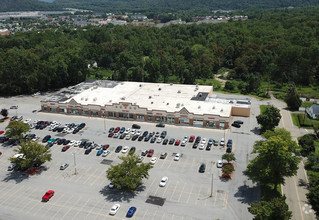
1 132
65 148
111 135
47 195
105 147
191 138
117 129
177 142
150 152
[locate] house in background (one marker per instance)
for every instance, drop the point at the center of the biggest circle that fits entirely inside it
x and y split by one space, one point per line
313 111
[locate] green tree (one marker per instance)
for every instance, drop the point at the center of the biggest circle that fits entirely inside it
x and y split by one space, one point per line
228 169
16 129
229 86
127 175
274 161
313 194
274 209
307 144
4 112
269 119
34 154
313 162
229 157
292 99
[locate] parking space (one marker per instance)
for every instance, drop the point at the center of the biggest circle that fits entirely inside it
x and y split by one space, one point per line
188 194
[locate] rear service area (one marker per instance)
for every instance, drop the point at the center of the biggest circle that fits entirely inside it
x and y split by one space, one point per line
81 189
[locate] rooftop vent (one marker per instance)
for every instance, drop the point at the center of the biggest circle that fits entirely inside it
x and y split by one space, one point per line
199 107
82 98
196 85
213 107
221 110
167 103
159 89
110 100
123 98
171 84
150 97
140 85
151 102
94 99
200 94
179 91
177 105
86 99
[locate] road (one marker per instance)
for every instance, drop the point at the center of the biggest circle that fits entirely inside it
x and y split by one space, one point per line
295 188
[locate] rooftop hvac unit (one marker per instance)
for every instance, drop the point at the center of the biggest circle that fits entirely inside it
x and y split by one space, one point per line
140 85
179 91
171 84
123 98
221 110
82 98
151 102
94 99
199 107
167 103
177 105
150 97
86 99
200 94
110 101
213 107
159 89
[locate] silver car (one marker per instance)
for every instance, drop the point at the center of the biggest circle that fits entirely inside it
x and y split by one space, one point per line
64 166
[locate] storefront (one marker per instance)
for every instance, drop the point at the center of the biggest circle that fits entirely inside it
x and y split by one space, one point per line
184 120
198 122
73 111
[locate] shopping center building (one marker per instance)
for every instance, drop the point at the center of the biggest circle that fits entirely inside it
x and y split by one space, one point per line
192 105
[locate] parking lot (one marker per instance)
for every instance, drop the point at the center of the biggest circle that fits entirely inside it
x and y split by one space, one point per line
85 195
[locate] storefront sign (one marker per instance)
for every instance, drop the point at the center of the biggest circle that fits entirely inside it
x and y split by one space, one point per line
52 104
125 111
184 116
211 118
159 114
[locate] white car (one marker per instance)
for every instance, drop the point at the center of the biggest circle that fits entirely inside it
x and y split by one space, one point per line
31 126
64 166
98 146
72 143
35 138
186 138
159 140
70 130
177 156
26 121
183 143
111 185
222 142
128 136
138 132
163 181
116 135
77 143
35 121
133 131
204 141
141 158
105 153
201 147
220 164
153 160
125 149
114 209
127 130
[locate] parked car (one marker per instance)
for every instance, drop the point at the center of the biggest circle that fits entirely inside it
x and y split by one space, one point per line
160 125
46 138
132 150
198 138
163 182
65 148
153 139
195 145
236 125
136 126
122 129
229 150
114 209
48 195
153 160
239 122
220 164
159 140
118 149
1 132
145 133
163 134
177 156
64 166
201 147
99 152
125 149
165 141
163 155
202 168
128 136
144 153
147 138
106 146
177 142
134 137
111 134
222 142
171 141
105 153
117 129
229 143
215 141
87 151
131 211
150 152
51 140
11 166
140 138
111 130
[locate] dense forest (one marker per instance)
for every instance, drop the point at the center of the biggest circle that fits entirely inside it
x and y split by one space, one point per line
150 6
280 46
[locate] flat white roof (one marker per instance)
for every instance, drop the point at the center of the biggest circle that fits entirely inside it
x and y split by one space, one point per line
154 96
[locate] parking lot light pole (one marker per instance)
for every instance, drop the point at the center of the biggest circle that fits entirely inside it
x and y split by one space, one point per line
211 189
74 165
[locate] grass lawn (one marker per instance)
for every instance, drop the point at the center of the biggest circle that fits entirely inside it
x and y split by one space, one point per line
263 108
306 104
302 120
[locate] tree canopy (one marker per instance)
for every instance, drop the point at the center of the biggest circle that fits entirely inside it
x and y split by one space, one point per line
128 175
34 154
229 157
274 162
269 119
16 129
4 112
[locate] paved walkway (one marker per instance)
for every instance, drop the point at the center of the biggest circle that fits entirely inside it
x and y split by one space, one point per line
295 187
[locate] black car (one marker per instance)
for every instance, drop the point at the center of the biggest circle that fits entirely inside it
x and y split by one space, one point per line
140 138
60 129
82 144
165 141
66 142
54 129
151 133
145 133
236 125
229 149
118 149
208 147
61 141
195 145
81 126
136 126
46 138
13 141
135 137
132 150
160 125
229 143
49 144
202 168
87 145
163 134
197 140
122 136
76 130
153 139
87 151
239 122
147 138
3 139
56 140
171 141
111 130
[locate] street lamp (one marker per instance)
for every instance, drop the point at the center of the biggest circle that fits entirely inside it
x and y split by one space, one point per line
212 185
74 165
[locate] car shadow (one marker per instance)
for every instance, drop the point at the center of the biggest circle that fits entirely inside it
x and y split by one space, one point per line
246 194
16 176
114 195
256 130
303 183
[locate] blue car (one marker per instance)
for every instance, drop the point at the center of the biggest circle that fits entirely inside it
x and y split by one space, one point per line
87 151
99 152
131 211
